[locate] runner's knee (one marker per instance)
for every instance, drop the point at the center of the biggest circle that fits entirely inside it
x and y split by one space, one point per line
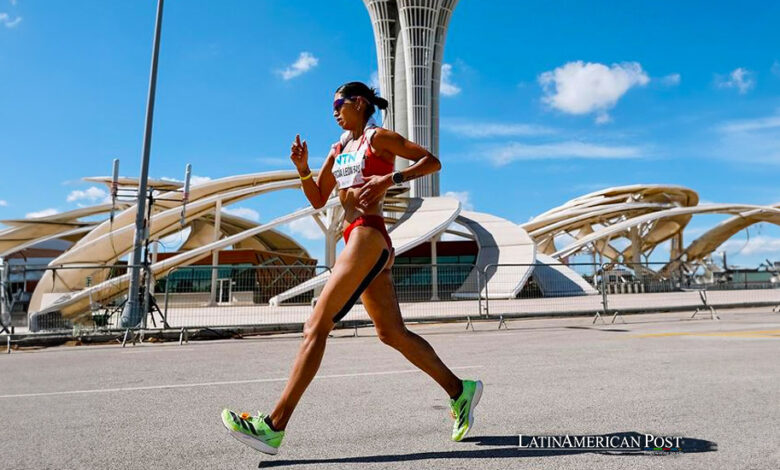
393 337
314 329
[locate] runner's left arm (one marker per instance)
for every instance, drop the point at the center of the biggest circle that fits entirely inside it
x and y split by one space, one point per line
394 143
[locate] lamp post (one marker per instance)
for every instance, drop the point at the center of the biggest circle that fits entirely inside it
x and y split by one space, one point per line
132 315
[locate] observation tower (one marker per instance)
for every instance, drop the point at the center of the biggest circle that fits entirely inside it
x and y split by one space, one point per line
410 38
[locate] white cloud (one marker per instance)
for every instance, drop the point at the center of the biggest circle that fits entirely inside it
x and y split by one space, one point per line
758 245
672 79
494 129
582 88
244 212
43 213
739 78
559 150
306 61
92 194
750 140
307 228
748 125
194 179
447 88
464 197
3 203
776 68
8 22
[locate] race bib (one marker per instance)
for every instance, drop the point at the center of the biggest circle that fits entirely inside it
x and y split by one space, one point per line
348 168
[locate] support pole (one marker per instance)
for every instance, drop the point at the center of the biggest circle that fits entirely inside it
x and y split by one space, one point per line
152 283
148 278
330 248
604 300
185 197
332 237
131 316
636 247
434 270
114 187
5 314
215 253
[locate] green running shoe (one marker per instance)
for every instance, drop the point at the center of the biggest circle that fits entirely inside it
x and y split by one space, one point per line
462 409
252 431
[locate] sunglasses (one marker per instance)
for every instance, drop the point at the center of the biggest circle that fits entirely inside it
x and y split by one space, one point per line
337 104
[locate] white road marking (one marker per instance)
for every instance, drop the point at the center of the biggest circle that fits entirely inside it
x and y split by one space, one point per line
209 384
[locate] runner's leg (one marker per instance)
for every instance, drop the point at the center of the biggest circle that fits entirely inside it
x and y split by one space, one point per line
362 258
381 303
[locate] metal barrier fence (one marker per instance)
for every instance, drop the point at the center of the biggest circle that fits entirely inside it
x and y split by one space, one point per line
214 296
232 296
610 289
542 289
211 296
430 292
104 296
699 292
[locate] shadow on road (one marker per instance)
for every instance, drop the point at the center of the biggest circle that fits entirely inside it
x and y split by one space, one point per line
500 447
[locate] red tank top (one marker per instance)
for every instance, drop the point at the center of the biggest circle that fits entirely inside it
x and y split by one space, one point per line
374 165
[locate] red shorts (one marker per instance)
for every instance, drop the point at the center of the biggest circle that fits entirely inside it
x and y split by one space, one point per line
370 220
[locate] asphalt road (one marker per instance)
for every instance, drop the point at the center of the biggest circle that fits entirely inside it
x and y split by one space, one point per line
715 383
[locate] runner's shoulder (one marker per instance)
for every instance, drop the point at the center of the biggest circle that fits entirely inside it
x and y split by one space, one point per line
384 137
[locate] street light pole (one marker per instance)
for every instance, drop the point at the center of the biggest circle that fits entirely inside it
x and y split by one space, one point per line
132 315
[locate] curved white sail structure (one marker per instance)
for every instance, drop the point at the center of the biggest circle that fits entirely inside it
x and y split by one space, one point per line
558 280
109 241
501 243
74 305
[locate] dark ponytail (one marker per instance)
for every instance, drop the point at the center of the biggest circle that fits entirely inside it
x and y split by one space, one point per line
370 94
380 102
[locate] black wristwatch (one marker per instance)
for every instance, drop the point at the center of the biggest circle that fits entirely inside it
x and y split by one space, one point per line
398 177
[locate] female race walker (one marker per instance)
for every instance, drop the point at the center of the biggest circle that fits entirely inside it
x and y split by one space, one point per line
361 164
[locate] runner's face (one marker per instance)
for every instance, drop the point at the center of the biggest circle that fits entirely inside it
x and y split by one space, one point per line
347 112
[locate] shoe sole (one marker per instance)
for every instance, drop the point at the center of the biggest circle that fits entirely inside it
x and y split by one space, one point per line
474 402
252 442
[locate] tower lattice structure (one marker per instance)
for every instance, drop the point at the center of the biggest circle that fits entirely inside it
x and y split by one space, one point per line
410 37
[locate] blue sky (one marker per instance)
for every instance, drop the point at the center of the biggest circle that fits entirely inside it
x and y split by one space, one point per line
690 95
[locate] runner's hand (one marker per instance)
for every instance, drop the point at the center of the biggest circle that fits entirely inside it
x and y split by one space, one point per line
299 153
374 188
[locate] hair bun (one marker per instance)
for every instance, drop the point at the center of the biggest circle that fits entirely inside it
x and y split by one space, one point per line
380 102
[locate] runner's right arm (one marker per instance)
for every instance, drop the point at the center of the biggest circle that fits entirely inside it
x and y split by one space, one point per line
317 192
